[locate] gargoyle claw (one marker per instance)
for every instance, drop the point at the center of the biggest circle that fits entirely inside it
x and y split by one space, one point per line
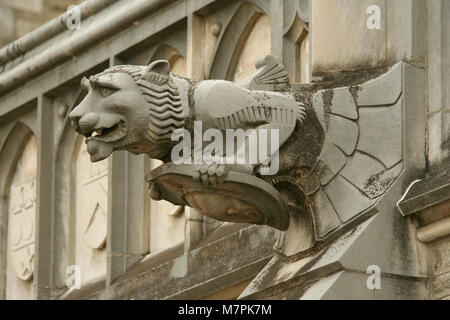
211 174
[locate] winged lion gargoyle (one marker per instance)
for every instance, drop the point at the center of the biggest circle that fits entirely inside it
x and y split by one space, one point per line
323 138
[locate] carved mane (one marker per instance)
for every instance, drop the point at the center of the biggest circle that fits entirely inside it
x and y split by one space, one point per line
162 96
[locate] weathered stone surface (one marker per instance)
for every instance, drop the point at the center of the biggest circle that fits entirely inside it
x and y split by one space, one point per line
427 192
326 219
343 133
331 162
240 198
317 276
346 198
91 207
167 222
280 273
253 49
181 278
343 104
381 133
335 285
343 40
382 91
319 107
369 175
22 224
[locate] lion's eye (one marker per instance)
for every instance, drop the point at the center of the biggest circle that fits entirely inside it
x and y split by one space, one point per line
106 92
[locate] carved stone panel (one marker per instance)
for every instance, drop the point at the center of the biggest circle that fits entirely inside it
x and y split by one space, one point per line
21 224
22 213
92 199
22 230
90 215
362 153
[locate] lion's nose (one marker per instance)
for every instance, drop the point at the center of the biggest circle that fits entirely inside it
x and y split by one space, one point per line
74 117
87 122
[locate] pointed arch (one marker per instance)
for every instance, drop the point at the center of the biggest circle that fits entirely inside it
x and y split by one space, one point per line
297 50
66 201
233 40
11 152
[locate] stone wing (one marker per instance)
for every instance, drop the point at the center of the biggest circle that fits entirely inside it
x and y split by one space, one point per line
362 152
270 75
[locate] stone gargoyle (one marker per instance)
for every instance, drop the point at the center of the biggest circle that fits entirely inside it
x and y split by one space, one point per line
329 171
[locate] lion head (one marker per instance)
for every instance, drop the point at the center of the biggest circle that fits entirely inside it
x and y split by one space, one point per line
134 108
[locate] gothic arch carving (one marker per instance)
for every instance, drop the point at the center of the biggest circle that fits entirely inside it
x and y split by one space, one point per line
296 49
17 139
10 154
232 40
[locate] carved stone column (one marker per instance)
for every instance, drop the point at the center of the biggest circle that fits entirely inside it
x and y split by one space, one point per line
44 198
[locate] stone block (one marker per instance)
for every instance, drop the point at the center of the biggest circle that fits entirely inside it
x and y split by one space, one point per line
381 133
341 39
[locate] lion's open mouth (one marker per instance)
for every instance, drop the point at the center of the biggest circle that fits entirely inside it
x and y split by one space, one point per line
111 134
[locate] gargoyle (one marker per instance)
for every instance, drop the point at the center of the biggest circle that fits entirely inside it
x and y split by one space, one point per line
138 108
332 167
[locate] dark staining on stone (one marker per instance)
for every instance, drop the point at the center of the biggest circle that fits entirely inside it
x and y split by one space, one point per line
268 114
191 104
327 97
354 90
297 203
303 146
350 77
375 186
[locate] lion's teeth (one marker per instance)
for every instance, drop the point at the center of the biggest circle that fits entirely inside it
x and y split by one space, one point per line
98 132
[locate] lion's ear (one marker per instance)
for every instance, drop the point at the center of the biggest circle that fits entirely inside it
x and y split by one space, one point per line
158 72
160 66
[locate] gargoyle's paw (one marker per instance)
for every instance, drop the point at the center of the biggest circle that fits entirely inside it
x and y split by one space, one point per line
211 174
216 173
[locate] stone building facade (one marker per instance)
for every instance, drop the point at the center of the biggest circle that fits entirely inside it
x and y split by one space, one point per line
73 229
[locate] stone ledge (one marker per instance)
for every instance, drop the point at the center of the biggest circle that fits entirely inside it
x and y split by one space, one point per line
224 259
429 201
426 193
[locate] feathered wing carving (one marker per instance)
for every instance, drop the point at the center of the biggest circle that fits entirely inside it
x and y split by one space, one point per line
270 74
362 152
